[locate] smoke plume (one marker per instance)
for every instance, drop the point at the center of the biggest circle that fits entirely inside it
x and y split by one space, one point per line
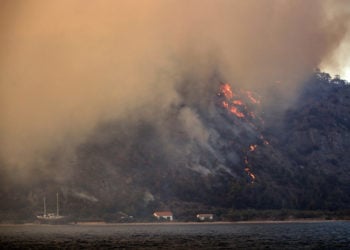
66 66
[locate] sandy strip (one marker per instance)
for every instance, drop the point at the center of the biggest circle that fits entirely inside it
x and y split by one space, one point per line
102 223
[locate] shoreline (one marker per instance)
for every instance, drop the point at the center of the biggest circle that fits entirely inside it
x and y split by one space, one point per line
102 223
211 223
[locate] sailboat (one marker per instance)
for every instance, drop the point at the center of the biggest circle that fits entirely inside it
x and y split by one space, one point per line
51 217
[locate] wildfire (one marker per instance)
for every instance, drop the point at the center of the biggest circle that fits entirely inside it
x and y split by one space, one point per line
226 90
237 102
235 111
251 98
251 175
241 104
231 104
252 147
266 142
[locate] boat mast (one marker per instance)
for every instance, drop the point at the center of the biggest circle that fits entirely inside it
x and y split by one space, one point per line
44 207
57 204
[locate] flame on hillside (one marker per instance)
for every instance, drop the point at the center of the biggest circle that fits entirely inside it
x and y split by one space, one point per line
226 90
234 110
241 104
251 98
246 162
238 103
252 147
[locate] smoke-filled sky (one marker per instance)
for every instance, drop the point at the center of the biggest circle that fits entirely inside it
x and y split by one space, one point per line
67 65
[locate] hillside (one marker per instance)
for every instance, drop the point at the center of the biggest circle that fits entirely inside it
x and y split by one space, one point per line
217 149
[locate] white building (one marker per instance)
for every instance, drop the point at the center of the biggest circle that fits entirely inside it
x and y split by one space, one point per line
203 217
167 215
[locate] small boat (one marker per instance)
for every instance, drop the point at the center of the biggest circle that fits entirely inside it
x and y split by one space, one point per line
51 217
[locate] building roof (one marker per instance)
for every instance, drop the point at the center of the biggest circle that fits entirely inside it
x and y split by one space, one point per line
164 213
205 215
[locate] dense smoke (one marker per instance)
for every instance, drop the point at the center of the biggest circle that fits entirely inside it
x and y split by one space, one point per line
67 66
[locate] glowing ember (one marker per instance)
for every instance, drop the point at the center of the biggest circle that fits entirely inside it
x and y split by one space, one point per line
226 90
237 102
246 160
252 176
235 111
252 147
252 114
225 104
251 98
247 168
264 141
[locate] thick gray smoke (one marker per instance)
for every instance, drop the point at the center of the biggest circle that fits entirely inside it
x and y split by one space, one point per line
67 66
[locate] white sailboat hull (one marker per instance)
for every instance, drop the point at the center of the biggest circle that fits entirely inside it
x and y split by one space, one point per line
55 217
51 217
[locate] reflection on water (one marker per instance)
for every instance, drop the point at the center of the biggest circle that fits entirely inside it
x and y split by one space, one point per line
317 235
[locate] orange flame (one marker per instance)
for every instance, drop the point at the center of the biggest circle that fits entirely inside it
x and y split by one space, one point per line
252 176
251 98
226 89
235 111
237 102
241 110
252 147
246 160
225 104
232 105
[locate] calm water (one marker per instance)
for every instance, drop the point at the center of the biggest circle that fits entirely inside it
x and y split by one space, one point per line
316 235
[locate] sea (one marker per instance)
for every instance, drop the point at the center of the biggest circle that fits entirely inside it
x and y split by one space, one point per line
252 235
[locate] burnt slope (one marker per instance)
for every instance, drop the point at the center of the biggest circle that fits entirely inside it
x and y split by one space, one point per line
205 153
199 152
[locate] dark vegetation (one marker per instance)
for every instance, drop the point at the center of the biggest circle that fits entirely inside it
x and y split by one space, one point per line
135 168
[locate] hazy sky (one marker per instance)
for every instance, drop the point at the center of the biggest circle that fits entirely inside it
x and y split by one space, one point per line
66 65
